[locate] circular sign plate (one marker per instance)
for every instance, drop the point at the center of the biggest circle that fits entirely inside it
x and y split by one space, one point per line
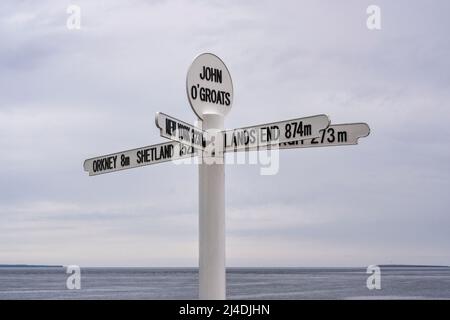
209 86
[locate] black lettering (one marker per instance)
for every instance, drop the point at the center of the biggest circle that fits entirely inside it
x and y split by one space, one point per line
170 126
194 92
252 136
202 74
323 135
227 98
158 155
213 96
211 74
115 161
307 130
342 136
331 138
299 128
103 164
288 128
202 94
264 131
276 131
218 75
220 97
168 151
151 154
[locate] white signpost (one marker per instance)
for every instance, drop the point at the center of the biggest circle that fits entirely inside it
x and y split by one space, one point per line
210 92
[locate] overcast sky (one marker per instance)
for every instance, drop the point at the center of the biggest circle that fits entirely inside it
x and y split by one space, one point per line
68 95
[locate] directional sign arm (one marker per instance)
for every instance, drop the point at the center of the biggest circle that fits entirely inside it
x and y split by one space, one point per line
275 133
335 135
139 157
180 131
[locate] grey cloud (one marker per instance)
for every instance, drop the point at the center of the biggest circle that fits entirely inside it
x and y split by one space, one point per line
69 95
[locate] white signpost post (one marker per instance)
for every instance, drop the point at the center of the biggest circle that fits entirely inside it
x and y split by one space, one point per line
210 92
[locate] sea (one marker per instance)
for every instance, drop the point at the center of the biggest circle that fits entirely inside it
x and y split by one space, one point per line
242 283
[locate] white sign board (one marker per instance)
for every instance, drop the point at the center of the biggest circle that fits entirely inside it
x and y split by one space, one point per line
334 135
180 131
138 157
274 133
209 86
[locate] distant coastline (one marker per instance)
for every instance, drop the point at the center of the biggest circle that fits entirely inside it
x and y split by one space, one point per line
410 266
29 266
380 265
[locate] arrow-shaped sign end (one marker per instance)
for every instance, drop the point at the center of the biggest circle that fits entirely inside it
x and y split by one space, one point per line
86 165
157 120
364 131
327 119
